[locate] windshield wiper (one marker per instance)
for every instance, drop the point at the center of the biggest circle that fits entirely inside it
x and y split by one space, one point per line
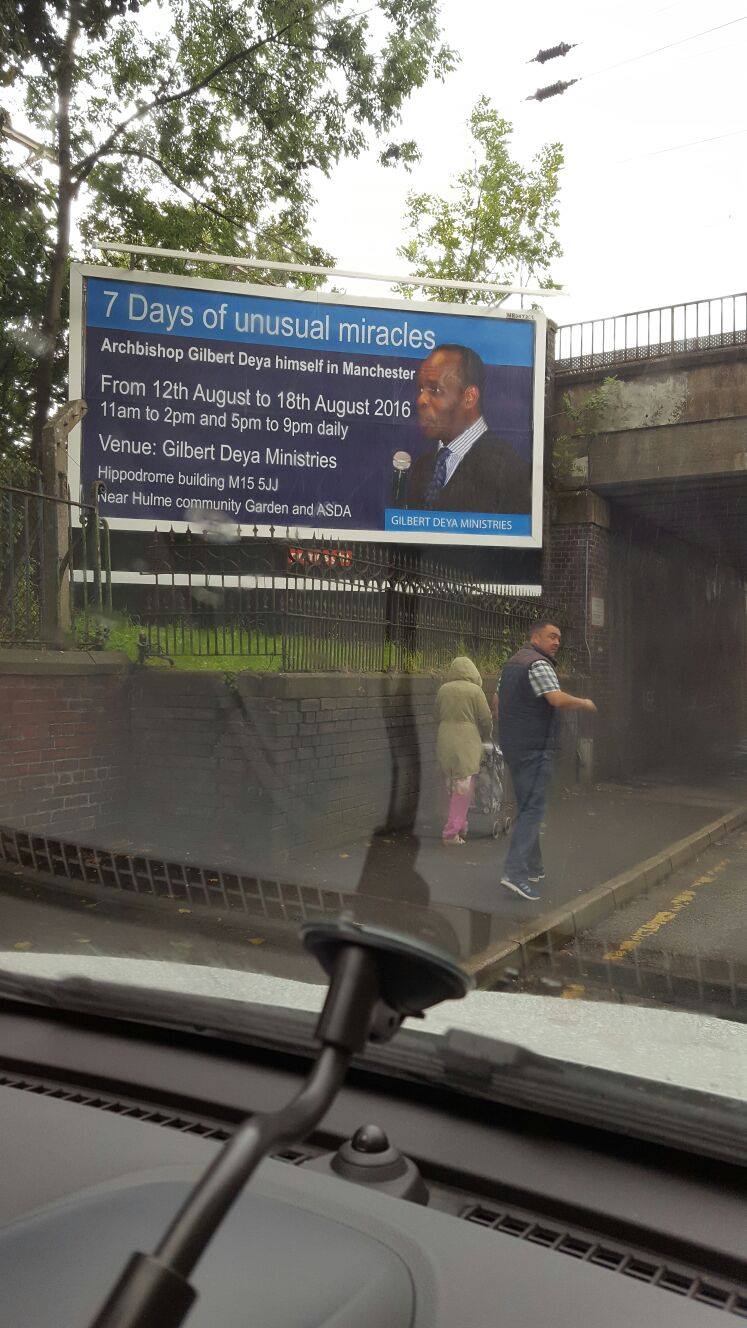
681 1118
219 1016
498 1071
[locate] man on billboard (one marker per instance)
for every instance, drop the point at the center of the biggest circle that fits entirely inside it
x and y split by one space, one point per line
469 468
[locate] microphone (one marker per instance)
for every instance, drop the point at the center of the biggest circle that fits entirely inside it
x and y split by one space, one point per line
376 979
401 461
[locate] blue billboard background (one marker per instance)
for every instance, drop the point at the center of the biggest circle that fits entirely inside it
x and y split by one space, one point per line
261 409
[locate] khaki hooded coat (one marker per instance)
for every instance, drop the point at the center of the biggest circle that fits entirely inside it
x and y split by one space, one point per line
464 720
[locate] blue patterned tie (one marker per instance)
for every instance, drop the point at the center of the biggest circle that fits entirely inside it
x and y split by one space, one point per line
438 478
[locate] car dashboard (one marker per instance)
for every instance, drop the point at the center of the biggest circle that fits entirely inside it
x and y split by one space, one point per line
527 1220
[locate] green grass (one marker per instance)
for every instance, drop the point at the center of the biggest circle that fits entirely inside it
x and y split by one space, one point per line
219 663
261 654
98 633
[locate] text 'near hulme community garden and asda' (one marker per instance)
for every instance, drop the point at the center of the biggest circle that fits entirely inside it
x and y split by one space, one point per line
291 411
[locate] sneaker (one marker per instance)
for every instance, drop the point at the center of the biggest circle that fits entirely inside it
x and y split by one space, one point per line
534 877
522 888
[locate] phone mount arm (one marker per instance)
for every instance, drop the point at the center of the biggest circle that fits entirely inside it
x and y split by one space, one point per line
376 979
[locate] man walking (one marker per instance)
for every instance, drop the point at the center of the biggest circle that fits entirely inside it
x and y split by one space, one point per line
528 702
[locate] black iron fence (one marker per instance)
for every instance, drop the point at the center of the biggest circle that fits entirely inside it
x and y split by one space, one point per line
316 605
54 568
674 329
268 602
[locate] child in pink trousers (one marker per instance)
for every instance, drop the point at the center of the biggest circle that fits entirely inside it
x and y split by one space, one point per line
464 723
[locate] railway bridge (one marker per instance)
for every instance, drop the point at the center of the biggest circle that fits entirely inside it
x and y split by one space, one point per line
647 526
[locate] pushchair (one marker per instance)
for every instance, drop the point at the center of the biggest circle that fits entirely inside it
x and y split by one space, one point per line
492 798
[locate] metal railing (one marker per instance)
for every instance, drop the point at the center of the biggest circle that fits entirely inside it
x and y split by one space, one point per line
675 329
317 607
44 542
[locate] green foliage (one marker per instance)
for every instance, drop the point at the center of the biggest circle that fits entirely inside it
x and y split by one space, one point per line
25 212
231 109
19 566
584 421
31 29
586 417
91 632
194 649
200 124
498 224
19 569
19 603
16 469
198 648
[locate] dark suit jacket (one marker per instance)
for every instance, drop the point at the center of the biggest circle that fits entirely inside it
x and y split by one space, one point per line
491 478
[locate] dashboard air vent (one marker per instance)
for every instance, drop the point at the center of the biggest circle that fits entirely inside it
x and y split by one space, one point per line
118 1107
186 1124
617 1259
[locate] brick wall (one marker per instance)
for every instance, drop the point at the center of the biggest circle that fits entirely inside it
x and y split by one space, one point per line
191 766
63 741
349 753
272 762
276 761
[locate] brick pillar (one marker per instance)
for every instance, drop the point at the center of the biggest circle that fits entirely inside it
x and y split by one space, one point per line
576 565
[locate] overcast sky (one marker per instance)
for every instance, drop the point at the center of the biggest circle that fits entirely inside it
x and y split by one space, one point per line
650 213
641 224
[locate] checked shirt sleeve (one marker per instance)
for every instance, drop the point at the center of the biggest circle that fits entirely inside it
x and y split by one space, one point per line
543 678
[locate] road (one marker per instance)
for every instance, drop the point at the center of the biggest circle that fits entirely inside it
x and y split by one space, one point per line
449 897
47 920
682 944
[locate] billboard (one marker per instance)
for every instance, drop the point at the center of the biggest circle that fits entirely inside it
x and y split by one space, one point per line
319 414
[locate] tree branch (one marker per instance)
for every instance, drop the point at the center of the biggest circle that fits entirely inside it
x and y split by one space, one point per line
163 168
200 203
468 264
84 167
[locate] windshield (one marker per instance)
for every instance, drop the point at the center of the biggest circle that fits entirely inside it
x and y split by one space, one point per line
372 507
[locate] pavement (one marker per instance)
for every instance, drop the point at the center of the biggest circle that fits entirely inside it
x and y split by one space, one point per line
448 896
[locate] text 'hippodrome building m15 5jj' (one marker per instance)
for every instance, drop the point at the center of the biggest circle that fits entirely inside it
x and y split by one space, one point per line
388 420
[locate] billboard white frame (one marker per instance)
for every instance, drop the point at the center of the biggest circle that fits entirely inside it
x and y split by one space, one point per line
80 271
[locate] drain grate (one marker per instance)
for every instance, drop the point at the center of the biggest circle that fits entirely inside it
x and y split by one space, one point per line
136 875
616 1259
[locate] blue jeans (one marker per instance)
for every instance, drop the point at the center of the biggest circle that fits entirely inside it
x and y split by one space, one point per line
530 775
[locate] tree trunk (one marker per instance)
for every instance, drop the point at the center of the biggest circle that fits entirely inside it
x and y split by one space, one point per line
66 193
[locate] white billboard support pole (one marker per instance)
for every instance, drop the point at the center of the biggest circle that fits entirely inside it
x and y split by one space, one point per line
306 269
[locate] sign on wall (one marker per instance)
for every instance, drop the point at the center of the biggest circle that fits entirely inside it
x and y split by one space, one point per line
362 419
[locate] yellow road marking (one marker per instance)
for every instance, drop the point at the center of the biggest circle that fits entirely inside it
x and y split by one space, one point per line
666 915
573 992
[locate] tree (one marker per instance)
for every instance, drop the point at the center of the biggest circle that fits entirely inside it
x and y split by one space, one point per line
24 223
203 126
499 223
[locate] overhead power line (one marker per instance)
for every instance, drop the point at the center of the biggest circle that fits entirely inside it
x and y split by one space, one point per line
563 48
668 47
678 147
552 53
552 90
556 89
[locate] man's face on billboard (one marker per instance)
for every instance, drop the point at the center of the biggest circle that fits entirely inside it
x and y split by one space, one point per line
445 406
